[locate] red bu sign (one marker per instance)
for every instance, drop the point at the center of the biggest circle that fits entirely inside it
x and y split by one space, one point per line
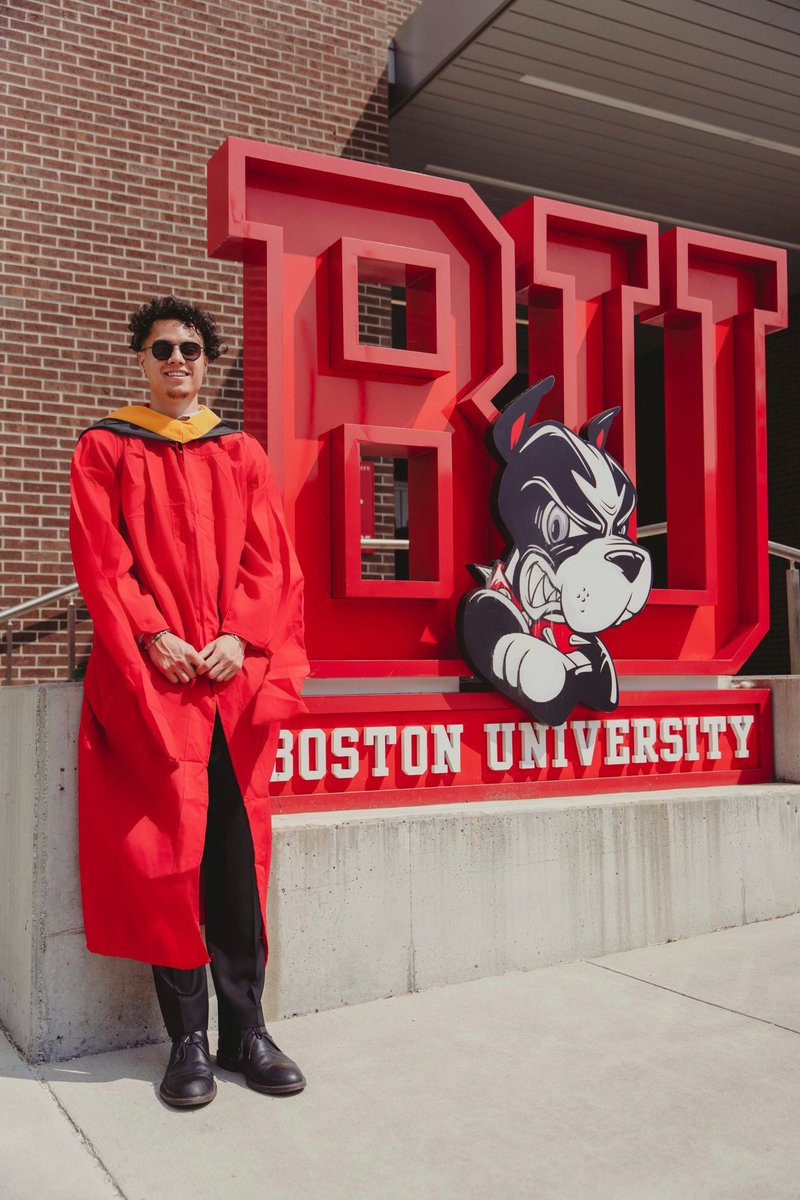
311 230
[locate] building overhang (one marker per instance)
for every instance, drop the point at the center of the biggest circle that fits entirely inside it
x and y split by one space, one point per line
688 114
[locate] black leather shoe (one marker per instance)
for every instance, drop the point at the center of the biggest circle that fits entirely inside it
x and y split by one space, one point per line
264 1066
189 1079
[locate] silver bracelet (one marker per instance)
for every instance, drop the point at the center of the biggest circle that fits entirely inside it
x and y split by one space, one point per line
154 638
240 640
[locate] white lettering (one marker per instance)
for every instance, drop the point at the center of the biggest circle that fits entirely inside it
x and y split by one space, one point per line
414 750
616 750
494 760
712 727
284 759
343 753
585 734
446 749
343 745
305 739
380 736
644 740
672 737
559 757
690 726
534 746
741 724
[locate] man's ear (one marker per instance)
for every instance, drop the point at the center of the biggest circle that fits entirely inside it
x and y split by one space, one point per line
515 418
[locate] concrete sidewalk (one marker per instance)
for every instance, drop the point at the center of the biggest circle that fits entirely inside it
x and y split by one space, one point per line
671 1071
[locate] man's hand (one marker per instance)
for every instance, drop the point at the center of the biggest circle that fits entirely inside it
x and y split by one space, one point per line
176 659
223 657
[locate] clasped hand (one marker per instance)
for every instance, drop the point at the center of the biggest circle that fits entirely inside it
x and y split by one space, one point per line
220 660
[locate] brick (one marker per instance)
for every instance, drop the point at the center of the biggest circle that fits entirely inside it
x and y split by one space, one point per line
106 150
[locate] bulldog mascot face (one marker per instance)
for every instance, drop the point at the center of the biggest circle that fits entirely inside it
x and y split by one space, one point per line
531 628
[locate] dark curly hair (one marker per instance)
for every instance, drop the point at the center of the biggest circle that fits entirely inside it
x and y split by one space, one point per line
170 308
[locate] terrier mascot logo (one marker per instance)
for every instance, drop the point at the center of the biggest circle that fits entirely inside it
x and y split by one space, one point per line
530 629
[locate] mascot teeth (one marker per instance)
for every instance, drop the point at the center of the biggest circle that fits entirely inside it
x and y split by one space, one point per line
539 598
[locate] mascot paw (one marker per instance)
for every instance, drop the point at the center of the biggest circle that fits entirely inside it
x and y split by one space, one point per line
530 665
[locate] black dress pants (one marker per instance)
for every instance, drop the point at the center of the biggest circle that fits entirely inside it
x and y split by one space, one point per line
234 928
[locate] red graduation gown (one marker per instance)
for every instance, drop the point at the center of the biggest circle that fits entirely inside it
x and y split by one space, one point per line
174 525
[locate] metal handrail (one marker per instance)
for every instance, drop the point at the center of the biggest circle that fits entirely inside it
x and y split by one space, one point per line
16 610
375 543
791 554
651 530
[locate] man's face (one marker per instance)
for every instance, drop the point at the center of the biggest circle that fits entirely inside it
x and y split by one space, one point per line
177 380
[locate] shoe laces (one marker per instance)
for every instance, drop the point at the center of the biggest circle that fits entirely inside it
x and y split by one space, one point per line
187 1040
262 1033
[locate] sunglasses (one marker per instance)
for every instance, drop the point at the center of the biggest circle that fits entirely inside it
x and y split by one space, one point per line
162 350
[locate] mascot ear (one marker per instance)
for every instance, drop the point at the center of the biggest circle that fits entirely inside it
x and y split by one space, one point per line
517 416
596 431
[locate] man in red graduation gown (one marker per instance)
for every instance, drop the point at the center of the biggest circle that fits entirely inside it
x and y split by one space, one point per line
196 597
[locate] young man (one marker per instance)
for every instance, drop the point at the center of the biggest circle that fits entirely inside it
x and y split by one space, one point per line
196 597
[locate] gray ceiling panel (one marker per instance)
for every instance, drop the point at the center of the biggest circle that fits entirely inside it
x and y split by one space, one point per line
648 30
543 116
659 81
492 111
748 20
558 165
624 86
601 181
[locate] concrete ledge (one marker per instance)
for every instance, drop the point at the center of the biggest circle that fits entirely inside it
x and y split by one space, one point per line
376 904
372 904
785 720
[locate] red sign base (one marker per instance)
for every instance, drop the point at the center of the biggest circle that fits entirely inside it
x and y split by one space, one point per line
377 751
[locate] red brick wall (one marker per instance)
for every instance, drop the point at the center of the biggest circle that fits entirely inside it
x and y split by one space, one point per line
114 109
379 564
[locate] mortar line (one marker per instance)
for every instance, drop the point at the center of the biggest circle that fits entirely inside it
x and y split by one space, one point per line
687 996
79 1131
